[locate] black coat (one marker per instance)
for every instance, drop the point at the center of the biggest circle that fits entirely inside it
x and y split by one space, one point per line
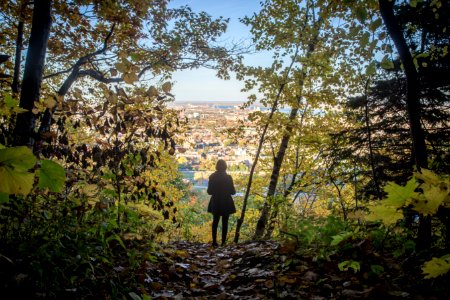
221 187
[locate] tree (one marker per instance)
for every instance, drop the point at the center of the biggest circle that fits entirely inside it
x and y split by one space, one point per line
97 43
298 29
34 68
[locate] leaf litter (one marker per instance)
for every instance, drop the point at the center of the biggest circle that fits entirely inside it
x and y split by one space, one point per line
256 270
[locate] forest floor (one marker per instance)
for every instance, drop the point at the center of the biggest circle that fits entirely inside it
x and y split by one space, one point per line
269 270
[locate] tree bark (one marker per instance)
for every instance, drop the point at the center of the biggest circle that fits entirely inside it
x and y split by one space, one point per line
19 44
34 66
240 221
369 141
274 213
277 162
412 102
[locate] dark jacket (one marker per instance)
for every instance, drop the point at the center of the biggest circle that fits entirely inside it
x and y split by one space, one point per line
221 187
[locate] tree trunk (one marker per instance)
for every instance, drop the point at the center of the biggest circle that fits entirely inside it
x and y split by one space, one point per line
240 221
413 105
19 44
34 67
369 141
260 144
286 193
278 161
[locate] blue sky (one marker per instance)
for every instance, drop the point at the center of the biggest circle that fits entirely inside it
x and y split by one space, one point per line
202 84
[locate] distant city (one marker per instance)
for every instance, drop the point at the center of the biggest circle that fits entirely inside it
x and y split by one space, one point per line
207 139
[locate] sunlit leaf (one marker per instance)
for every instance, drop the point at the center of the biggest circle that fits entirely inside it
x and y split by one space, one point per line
166 87
433 197
337 239
14 175
387 214
130 78
51 176
90 190
50 102
349 264
427 176
436 267
9 101
397 195
152 91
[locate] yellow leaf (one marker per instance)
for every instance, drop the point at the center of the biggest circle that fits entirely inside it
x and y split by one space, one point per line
166 87
387 214
152 91
397 195
50 103
77 93
89 190
433 197
130 78
14 165
15 182
436 267
427 176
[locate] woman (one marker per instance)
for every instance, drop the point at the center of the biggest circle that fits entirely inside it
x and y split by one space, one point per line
221 187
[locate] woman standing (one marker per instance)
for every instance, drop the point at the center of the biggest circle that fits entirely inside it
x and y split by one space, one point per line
221 187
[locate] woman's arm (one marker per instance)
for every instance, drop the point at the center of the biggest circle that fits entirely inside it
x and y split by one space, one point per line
232 189
210 189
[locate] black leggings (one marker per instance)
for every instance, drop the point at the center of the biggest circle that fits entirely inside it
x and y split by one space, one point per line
215 224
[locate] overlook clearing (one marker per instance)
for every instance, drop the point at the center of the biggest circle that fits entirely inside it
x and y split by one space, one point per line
339 155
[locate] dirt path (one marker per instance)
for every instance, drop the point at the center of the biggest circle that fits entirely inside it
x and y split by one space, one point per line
256 270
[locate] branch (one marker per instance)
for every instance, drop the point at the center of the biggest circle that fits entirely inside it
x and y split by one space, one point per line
99 76
3 58
84 59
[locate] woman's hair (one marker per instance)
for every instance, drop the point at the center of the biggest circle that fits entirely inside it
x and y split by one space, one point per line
221 165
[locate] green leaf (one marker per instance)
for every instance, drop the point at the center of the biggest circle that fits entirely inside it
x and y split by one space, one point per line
386 63
436 267
349 264
377 269
387 214
166 87
14 175
17 157
10 102
371 69
134 296
51 176
427 176
397 195
364 39
375 24
4 198
361 13
118 239
341 237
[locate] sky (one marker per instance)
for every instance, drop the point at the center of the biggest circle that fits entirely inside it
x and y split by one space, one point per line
202 84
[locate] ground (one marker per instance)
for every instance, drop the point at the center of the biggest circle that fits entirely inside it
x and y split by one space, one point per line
263 270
